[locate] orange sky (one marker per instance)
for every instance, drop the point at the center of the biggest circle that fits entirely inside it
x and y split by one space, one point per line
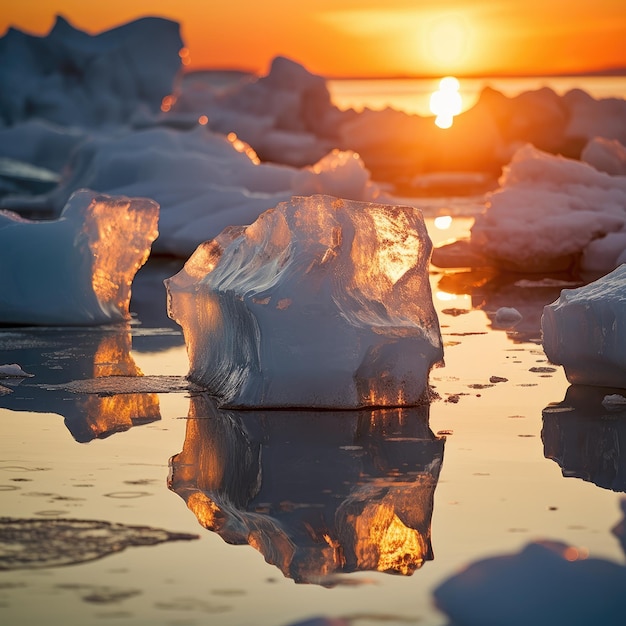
369 37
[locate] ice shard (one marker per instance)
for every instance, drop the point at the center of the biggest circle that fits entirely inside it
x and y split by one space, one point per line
585 331
321 303
78 269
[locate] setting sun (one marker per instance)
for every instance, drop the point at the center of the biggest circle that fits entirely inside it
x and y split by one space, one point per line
447 40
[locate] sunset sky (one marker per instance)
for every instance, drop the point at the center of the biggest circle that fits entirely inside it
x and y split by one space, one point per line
369 37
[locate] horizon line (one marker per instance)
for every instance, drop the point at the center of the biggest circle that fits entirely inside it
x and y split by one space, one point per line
613 71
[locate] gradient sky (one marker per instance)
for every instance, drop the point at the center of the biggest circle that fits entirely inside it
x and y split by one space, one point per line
369 37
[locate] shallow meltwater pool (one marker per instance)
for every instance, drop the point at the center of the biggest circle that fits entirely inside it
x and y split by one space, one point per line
146 505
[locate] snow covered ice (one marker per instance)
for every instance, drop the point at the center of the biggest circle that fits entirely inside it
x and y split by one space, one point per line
553 214
585 331
321 303
78 269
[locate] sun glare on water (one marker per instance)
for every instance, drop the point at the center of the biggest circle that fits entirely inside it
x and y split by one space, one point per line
446 102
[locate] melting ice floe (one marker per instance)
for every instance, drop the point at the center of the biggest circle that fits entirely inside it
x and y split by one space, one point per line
78 269
585 331
553 214
320 303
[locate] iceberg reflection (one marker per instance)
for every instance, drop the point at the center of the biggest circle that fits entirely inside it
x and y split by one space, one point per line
317 493
585 435
56 357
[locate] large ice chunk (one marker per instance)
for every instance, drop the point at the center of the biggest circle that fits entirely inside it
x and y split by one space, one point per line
76 270
585 331
321 302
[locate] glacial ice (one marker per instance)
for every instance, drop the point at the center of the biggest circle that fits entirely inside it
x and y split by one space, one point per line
78 269
585 331
321 303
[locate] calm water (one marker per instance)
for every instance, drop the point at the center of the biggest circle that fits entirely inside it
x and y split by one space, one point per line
430 490
413 95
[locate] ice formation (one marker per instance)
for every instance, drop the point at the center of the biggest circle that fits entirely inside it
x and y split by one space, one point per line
78 269
585 331
203 181
321 303
75 79
547 583
318 493
552 214
286 116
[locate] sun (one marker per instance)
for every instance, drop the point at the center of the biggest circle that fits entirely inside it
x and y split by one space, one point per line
447 41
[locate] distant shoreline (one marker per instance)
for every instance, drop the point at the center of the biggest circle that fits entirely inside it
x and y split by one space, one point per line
605 72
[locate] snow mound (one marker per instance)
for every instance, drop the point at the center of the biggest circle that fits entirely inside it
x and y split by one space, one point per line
78 269
551 213
585 331
321 303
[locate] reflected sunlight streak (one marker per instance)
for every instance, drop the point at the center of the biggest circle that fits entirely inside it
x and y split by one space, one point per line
446 102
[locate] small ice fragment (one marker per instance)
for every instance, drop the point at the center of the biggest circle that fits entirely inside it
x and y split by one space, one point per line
614 402
506 317
13 370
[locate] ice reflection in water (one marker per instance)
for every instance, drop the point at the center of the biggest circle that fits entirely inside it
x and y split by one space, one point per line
586 438
317 493
70 355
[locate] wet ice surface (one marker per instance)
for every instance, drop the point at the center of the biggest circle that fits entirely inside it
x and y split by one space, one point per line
500 455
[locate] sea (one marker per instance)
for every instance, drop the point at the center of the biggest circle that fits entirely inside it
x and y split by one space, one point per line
412 95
